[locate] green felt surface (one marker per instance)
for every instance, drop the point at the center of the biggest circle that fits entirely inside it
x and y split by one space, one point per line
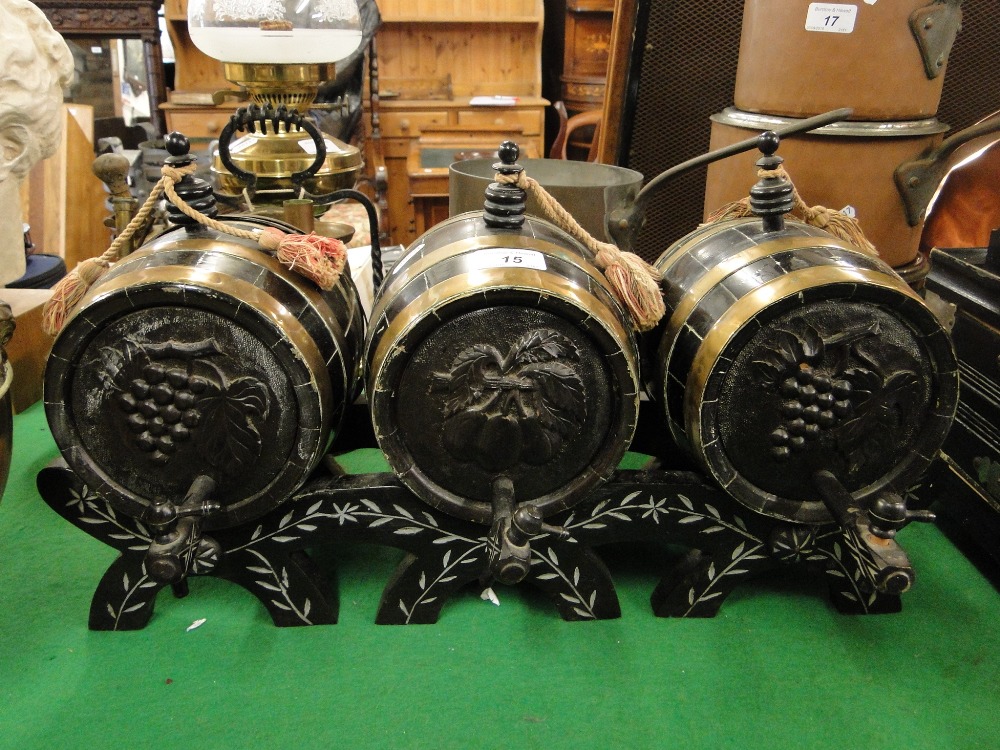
778 667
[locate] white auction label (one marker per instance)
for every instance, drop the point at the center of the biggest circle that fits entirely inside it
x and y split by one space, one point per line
508 257
831 17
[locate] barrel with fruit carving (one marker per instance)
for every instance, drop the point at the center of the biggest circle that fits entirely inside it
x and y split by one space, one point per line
500 354
200 355
790 352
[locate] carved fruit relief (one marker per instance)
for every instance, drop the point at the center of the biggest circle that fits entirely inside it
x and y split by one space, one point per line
504 410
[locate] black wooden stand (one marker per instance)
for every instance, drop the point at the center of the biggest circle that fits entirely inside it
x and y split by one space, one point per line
728 544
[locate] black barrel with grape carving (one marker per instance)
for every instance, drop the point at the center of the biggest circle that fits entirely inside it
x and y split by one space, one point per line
200 355
500 354
789 352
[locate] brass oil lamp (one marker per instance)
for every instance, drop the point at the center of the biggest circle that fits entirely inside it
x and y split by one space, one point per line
280 51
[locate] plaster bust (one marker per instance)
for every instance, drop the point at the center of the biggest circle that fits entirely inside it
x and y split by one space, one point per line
35 67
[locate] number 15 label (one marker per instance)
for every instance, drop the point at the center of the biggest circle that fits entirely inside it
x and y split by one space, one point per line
831 17
502 257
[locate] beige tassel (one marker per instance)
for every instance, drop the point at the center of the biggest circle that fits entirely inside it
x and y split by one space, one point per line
321 259
836 223
67 294
635 282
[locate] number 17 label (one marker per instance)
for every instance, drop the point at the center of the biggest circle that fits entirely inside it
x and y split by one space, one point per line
831 17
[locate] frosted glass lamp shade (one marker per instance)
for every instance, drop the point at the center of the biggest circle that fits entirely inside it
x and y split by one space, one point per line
275 31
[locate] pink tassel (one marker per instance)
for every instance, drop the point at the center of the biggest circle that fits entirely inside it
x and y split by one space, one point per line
636 284
69 291
321 259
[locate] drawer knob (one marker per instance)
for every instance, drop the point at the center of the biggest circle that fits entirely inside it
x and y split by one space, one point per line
404 124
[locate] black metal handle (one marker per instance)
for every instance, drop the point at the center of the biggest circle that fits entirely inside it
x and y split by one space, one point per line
248 118
624 223
888 514
869 536
509 541
163 514
364 200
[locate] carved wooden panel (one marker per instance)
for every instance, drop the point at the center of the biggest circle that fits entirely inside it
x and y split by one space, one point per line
118 19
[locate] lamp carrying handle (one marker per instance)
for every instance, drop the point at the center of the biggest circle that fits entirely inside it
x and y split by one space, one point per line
254 116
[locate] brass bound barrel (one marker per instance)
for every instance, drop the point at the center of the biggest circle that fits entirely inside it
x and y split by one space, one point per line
199 354
500 353
790 352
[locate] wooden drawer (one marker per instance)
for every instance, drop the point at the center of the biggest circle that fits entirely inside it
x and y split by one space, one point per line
530 122
588 43
396 148
198 122
409 124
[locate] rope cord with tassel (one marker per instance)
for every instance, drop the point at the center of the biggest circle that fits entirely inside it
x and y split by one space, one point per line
321 259
636 283
836 223
74 285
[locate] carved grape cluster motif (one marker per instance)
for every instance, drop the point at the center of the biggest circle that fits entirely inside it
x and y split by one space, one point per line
833 385
160 407
177 393
816 400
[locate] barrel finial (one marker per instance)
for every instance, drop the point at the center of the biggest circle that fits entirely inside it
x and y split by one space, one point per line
194 191
177 144
505 201
773 195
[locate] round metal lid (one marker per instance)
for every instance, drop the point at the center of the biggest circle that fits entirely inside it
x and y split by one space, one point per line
888 129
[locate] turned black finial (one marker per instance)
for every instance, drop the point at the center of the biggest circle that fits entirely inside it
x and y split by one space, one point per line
178 146
772 197
195 191
504 206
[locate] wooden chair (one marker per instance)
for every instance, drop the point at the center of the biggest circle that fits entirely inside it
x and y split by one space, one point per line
564 140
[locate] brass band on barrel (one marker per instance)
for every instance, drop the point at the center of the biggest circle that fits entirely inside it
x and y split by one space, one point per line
244 292
229 246
730 265
746 309
678 251
340 325
472 244
508 279
218 280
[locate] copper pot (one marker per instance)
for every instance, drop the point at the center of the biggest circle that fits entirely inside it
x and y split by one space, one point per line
886 172
885 60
